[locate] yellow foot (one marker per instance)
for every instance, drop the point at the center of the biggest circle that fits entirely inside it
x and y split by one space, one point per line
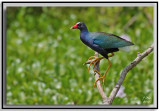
95 70
96 59
92 57
102 77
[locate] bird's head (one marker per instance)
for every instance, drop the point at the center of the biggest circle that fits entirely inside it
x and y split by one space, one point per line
79 25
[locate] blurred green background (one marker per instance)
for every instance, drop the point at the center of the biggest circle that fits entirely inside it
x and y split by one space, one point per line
45 58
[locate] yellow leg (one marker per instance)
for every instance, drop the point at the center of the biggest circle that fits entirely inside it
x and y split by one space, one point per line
91 64
97 80
103 77
106 72
111 55
92 57
95 70
97 59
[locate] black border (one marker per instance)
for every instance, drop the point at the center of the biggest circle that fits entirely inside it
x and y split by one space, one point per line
4 51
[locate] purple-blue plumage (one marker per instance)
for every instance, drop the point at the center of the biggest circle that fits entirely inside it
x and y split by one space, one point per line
101 42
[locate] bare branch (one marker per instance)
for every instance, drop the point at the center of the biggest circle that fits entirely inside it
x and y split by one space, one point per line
100 89
109 100
125 71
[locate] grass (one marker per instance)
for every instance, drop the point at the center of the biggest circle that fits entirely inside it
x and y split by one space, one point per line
45 58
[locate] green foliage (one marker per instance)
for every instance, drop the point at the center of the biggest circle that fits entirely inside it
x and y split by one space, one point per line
45 58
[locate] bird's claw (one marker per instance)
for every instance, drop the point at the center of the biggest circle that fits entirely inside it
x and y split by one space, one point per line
102 77
94 61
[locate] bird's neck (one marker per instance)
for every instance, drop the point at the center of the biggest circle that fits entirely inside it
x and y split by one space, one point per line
84 35
84 30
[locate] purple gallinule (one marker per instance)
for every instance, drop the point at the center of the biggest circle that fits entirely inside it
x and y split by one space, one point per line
103 43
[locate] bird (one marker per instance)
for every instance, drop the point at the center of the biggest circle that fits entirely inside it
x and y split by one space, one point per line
101 42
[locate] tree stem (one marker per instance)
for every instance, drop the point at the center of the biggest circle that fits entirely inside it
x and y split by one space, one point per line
115 90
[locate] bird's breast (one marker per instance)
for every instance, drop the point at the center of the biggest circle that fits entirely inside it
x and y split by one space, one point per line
86 40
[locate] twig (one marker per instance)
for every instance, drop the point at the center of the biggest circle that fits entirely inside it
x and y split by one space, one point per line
140 56
100 89
109 100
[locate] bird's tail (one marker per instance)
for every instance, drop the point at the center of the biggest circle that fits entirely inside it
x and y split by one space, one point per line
126 48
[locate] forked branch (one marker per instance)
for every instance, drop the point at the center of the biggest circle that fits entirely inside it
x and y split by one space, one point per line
109 100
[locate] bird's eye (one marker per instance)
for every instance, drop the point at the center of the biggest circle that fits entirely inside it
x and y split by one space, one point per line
78 24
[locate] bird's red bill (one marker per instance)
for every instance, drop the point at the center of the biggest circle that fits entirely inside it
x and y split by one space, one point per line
75 27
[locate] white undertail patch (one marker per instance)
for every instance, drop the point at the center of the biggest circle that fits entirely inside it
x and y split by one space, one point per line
126 48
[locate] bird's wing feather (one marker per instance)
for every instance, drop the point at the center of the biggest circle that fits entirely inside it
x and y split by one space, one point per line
106 40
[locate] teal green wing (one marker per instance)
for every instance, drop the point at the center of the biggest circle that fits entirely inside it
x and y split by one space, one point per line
106 40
